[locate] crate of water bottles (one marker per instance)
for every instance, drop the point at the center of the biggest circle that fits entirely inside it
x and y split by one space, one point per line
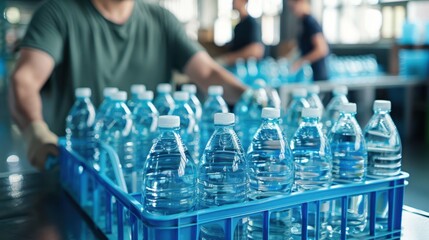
172 168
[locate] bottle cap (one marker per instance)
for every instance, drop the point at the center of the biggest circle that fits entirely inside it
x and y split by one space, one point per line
107 92
299 92
259 83
270 112
163 88
169 121
341 90
313 89
224 118
119 96
181 96
216 90
311 113
82 92
138 88
382 105
190 88
146 95
348 108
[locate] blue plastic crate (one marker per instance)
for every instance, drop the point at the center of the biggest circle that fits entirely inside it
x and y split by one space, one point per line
120 216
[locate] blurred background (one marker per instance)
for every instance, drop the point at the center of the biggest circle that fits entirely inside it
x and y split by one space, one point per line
378 48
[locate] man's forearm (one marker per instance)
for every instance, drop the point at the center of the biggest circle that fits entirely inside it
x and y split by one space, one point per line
232 87
24 101
255 50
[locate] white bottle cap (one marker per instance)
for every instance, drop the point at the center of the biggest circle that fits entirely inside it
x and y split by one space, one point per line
163 88
146 95
107 92
119 96
270 112
311 113
299 92
181 96
259 83
138 88
216 90
313 89
382 105
348 108
190 88
169 121
341 90
224 118
82 92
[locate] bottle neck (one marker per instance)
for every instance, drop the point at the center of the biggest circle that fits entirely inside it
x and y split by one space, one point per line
168 129
270 120
311 120
230 126
382 112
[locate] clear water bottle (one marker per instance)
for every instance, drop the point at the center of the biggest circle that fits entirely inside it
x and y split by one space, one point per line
164 101
214 104
80 125
349 166
107 93
136 89
332 112
145 119
170 174
189 129
248 111
115 129
384 154
292 117
194 102
313 97
222 173
313 170
271 173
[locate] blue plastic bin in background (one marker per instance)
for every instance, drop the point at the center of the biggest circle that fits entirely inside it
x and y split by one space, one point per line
120 216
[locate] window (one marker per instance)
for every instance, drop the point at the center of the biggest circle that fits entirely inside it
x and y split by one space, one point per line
351 21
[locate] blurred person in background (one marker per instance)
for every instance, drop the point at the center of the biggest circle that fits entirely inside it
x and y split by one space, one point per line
312 44
98 44
246 42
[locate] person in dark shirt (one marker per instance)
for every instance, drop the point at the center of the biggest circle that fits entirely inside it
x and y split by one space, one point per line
311 42
247 37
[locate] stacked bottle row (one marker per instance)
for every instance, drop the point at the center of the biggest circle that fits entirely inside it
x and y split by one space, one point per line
319 155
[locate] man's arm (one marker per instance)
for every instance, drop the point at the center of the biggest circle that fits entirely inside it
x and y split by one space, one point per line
255 50
204 71
320 50
31 72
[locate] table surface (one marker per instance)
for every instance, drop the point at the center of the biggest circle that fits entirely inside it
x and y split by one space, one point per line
33 206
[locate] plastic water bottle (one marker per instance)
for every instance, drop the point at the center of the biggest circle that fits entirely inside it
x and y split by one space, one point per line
170 174
313 170
313 97
115 129
164 101
271 173
136 89
107 93
194 102
214 104
332 111
292 117
384 154
80 125
189 129
222 173
145 119
248 111
349 166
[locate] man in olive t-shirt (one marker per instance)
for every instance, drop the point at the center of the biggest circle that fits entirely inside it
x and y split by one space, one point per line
98 44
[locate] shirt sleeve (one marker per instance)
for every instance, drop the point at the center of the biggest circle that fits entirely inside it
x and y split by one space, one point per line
181 48
46 31
312 26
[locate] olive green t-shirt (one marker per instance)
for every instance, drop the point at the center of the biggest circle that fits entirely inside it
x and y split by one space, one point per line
91 51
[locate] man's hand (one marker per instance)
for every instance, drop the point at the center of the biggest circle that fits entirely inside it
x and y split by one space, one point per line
41 143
